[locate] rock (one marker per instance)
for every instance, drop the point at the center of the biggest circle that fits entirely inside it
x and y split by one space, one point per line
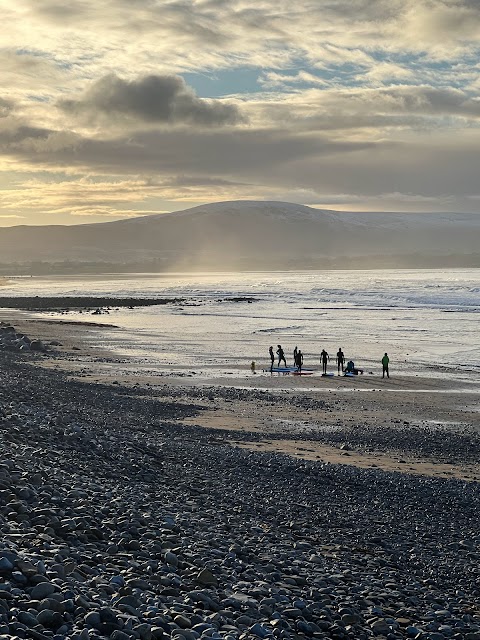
206 578
5 565
260 631
93 620
27 568
380 627
120 635
171 559
49 618
42 590
37 345
27 619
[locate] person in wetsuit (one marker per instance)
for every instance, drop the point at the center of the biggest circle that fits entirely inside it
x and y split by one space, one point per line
272 357
340 360
324 358
385 361
351 368
299 360
281 355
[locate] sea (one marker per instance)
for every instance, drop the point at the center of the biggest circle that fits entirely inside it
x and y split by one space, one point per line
426 320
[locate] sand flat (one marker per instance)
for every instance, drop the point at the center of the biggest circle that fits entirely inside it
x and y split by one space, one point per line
387 423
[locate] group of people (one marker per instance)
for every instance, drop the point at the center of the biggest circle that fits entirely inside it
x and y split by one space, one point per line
349 367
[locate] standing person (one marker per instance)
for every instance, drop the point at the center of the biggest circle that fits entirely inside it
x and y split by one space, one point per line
272 357
299 360
340 360
385 361
295 351
281 355
324 357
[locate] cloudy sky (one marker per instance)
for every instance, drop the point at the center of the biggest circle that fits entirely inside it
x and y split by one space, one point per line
132 107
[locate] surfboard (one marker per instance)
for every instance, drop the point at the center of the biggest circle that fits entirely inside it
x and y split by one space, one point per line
349 375
327 375
302 373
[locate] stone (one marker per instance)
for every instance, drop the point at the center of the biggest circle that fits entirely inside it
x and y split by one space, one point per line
183 622
49 618
260 631
93 620
380 627
27 568
5 565
42 590
120 635
206 578
27 618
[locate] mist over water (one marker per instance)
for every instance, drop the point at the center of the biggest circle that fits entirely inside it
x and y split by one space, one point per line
422 318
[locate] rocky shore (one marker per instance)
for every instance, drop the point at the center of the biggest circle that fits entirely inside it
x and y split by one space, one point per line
66 303
120 520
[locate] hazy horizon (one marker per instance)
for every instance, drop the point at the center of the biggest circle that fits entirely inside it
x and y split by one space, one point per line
239 235
346 214
127 109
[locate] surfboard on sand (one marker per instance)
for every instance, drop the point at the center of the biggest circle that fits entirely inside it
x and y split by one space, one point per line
287 370
303 373
327 375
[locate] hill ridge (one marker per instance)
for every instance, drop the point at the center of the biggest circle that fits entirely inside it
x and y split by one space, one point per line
239 234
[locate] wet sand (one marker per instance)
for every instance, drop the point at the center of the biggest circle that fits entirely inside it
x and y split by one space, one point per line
408 424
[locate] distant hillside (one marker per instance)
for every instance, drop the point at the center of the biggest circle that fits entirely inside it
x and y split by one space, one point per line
247 235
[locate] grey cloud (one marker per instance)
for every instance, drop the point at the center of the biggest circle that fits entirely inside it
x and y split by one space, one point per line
19 134
221 153
60 11
432 100
380 109
203 181
154 99
6 107
369 10
274 160
397 106
183 20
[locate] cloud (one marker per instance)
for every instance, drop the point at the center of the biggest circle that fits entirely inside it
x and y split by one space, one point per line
445 27
387 72
151 99
6 107
347 101
272 79
379 109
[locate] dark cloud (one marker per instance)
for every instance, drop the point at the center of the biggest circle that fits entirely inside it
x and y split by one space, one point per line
6 107
183 20
222 153
22 133
430 100
155 99
203 181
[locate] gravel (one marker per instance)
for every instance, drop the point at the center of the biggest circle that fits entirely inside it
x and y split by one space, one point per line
119 521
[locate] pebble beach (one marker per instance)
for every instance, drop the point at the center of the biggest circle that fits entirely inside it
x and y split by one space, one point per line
139 509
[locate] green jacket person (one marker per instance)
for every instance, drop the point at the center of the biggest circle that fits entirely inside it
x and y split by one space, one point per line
385 361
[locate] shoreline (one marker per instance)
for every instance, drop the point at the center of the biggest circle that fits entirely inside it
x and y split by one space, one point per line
376 405
176 511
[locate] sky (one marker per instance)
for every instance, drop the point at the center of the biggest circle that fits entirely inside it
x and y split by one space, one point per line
122 108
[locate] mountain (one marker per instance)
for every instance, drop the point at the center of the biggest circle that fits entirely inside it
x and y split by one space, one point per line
249 235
